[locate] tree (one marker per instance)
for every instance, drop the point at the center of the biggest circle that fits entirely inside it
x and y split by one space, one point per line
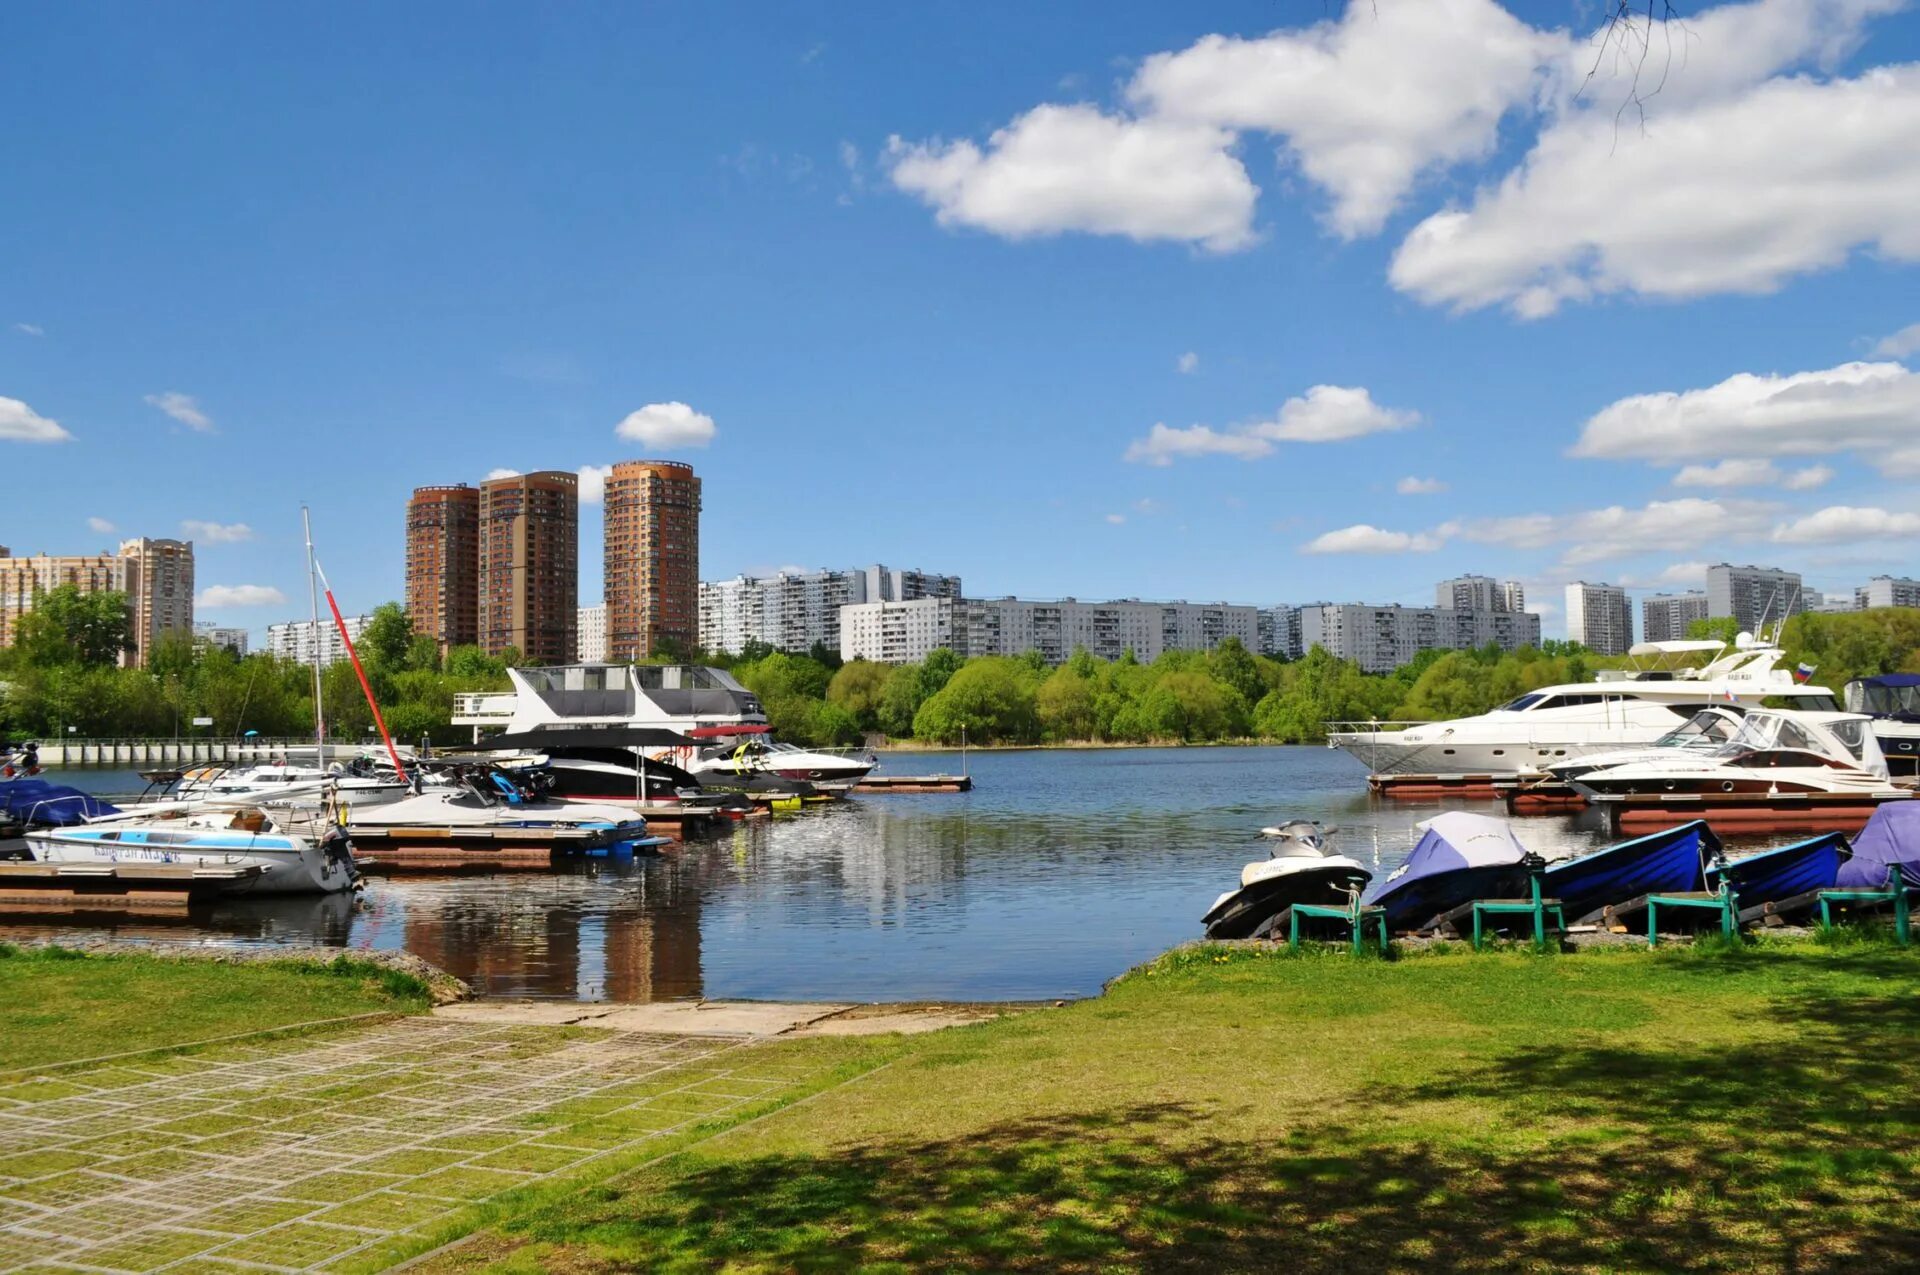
387 640
990 698
1723 628
1232 664
67 626
1065 703
859 688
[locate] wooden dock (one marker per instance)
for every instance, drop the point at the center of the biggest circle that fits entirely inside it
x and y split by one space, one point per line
1743 813
1538 797
914 783
117 889
387 850
1429 787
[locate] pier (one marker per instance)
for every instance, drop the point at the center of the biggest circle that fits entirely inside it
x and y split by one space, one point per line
137 753
914 783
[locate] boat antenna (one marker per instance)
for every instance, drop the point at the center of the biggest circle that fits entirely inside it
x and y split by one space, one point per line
313 606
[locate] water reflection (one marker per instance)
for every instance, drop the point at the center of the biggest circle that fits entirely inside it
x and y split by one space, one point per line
1059 871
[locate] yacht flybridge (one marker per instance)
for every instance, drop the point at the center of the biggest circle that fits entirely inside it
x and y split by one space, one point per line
1621 708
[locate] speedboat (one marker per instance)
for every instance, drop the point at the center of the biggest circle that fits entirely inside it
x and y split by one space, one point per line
764 755
487 798
1299 870
355 784
1707 730
1460 857
1621 708
1893 701
295 852
1775 751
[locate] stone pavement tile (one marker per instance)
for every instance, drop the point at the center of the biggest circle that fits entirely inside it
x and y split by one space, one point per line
246 1142
125 1142
160 1166
25 1165
145 1250
464 1184
104 1219
333 1187
68 1188
244 1217
388 1211
412 1162
205 1125
16 1250
296 1244
531 1159
202 1191
478 1141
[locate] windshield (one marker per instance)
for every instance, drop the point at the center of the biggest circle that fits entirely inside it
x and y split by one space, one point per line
1522 704
1767 730
1884 701
1708 728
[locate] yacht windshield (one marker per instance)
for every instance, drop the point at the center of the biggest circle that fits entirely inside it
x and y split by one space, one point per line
1708 728
1522 704
1769 730
1865 696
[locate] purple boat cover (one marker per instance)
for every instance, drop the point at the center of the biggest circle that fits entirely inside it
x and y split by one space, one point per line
1891 836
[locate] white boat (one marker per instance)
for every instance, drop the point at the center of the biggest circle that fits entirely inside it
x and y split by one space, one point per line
297 852
1300 869
1621 708
1893 701
1707 730
485 798
1775 752
354 784
761 755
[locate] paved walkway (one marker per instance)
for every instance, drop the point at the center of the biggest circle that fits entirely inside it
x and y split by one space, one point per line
331 1152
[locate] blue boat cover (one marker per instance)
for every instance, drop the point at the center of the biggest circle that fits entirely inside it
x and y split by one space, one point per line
1891 836
1813 864
35 801
1896 680
1661 862
1459 857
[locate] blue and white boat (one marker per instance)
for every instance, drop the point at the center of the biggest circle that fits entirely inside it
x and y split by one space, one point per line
478 800
296 853
1460 857
1774 876
1668 862
1891 836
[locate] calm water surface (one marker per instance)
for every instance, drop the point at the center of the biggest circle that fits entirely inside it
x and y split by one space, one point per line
1059 871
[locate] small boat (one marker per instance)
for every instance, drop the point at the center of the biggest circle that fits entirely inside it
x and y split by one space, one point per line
353 784
1776 751
1891 836
1460 857
1666 862
484 799
1706 731
1299 871
763 755
1774 876
295 852
1893 701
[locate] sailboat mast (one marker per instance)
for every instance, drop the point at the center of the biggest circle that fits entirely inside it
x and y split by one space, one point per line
313 605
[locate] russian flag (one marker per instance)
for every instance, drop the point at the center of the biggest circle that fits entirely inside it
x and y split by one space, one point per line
1804 673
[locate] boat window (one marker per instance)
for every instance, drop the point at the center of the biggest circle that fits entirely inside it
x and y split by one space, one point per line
1522 704
1853 735
1792 736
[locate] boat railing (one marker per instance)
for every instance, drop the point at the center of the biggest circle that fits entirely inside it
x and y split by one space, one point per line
1374 724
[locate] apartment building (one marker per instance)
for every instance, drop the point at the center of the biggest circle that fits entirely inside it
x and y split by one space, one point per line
1666 617
304 641
1887 591
155 575
443 564
1382 638
1279 628
905 632
591 641
1755 596
652 558
235 640
792 611
529 565
1599 617
1480 593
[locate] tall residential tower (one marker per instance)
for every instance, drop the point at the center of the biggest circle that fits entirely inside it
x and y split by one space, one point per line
653 559
529 564
1599 617
443 564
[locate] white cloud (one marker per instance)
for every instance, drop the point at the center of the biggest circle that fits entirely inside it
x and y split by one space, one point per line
1869 408
1061 168
215 533
100 526
1729 473
501 473
1596 535
1807 479
1411 486
1189 362
183 408
1116 519
239 595
1362 538
1324 414
593 483
29 329
21 424
1148 506
667 425
1847 522
1900 344
1365 104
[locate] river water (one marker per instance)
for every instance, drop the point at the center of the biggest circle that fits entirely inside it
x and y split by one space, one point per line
1060 870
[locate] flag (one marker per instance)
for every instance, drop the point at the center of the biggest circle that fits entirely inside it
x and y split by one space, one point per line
1804 673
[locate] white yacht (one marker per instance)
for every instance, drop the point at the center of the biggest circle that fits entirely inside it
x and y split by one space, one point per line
355 783
1774 752
749 754
1706 731
296 852
1893 701
1621 708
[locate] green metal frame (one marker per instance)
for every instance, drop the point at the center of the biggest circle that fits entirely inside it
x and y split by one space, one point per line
1539 907
1894 893
1356 916
1725 901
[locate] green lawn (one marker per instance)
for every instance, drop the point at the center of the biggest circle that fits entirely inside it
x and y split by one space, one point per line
1755 1109
59 1006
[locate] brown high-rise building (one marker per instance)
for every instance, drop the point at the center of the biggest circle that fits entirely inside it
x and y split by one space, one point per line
443 564
155 575
653 559
530 565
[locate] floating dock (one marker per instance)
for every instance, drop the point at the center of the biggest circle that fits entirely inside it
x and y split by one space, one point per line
119 889
1429 787
1743 813
914 783
479 849
1539 797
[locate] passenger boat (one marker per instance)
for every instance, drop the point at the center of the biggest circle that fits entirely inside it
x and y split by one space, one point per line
1619 709
295 852
1460 857
1775 752
1893 701
1299 870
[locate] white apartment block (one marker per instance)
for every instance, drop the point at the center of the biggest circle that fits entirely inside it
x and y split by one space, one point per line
1480 593
592 639
296 640
1753 595
793 610
896 632
235 640
906 632
1280 632
1382 638
1599 617
1887 591
1666 617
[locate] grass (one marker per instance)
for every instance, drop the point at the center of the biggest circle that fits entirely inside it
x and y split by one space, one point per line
1754 1108
58 1005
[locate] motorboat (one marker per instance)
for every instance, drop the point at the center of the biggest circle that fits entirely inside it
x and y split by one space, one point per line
1891 837
1704 732
609 765
487 798
1667 862
1774 752
1460 857
354 783
1893 701
293 852
756 754
1621 708
1788 873
1299 870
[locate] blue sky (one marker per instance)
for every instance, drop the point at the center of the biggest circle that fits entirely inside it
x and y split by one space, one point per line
252 256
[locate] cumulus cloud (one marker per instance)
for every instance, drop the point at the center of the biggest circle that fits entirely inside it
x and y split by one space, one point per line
100 526
1324 414
215 533
29 329
1900 344
667 425
1116 519
21 424
501 473
1188 362
1868 408
1062 168
1367 103
1729 473
1846 523
1411 486
239 595
1362 538
1595 535
593 483
1807 479
183 408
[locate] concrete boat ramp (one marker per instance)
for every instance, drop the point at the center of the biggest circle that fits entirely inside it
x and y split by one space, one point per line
756 1019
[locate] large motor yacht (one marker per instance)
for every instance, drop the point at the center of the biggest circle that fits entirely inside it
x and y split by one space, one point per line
1621 708
1774 752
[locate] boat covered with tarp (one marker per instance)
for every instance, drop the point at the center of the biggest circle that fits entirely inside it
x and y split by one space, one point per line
37 803
1774 876
1668 862
1460 857
1891 836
